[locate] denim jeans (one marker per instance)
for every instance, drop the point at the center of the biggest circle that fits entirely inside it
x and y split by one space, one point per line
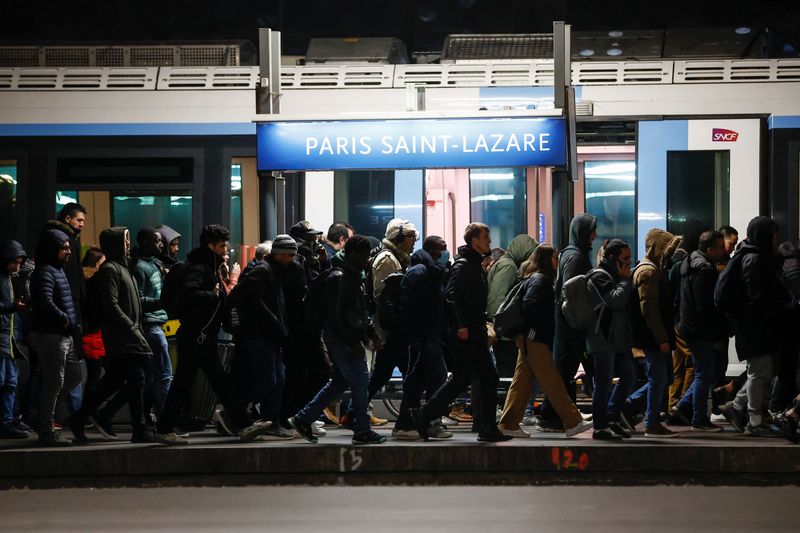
160 365
650 397
348 371
9 374
61 373
705 358
606 404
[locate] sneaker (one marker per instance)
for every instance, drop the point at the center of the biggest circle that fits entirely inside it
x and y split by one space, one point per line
583 425
375 421
587 416
103 426
439 431
53 439
706 427
318 431
447 421
318 424
405 434
494 435
22 426
330 417
530 421
788 427
76 426
518 433
256 429
9 431
679 417
143 437
660 431
606 434
278 433
303 428
370 437
498 414
761 430
422 426
617 428
626 424
734 416
223 423
458 414
719 417
170 439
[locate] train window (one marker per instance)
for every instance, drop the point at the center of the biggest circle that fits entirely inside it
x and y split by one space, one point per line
125 170
8 198
136 211
497 198
236 213
63 198
698 188
611 197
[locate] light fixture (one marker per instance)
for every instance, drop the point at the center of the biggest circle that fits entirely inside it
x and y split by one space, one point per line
586 52
742 30
614 51
615 33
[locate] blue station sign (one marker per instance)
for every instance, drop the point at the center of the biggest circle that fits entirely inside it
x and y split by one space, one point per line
412 143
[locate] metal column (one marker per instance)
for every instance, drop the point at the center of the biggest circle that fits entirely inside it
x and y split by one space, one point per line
564 98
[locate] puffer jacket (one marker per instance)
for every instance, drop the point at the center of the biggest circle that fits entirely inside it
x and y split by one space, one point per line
614 333
121 310
10 325
467 290
656 300
699 318
149 281
73 269
52 305
346 305
504 273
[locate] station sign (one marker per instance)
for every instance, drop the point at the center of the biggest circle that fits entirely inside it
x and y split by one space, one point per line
412 143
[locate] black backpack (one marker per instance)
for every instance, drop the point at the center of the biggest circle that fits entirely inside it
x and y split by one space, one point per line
314 305
389 302
509 321
172 289
369 282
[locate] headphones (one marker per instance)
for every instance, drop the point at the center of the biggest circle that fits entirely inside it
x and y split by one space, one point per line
400 237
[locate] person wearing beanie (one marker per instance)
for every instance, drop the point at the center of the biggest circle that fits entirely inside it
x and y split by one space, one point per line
12 256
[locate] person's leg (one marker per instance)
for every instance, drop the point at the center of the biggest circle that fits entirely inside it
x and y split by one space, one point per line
160 366
394 354
52 353
603 374
506 357
704 361
112 383
356 374
221 383
413 386
335 386
296 371
134 368
480 360
624 369
540 360
187 366
568 347
94 369
435 368
679 359
760 371
519 391
460 374
9 377
275 375
657 382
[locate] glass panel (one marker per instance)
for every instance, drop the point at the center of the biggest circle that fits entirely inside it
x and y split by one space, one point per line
611 197
236 213
365 199
698 188
497 198
63 198
8 198
138 211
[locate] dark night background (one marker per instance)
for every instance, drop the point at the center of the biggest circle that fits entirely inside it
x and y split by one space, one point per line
422 24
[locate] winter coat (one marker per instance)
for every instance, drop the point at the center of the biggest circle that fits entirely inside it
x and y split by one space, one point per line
52 305
699 318
260 303
346 305
120 308
504 273
202 310
614 333
294 284
390 260
330 251
422 297
467 290
655 296
538 308
690 240
10 324
149 280
574 259
73 269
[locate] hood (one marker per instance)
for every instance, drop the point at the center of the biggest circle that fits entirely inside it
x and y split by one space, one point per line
112 242
789 249
11 250
697 260
168 234
401 256
422 257
521 248
63 227
580 229
690 232
50 242
761 234
660 246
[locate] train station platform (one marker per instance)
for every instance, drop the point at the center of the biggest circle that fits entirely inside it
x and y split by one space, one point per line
546 458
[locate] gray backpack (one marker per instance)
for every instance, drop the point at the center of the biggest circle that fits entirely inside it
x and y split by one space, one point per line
581 302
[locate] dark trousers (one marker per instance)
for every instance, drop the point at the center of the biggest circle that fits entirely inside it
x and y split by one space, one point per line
124 377
394 354
193 357
307 368
468 356
94 370
569 346
427 372
505 356
784 389
258 374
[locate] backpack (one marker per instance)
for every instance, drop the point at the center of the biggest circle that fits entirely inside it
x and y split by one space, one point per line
369 282
172 289
728 291
508 321
581 302
314 306
389 311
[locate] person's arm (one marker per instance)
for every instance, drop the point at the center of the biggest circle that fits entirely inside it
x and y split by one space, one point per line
194 292
619 295
43 299
381 269
649 294
454 293
109 289
7 307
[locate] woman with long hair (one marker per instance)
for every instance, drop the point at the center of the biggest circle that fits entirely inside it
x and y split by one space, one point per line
535 358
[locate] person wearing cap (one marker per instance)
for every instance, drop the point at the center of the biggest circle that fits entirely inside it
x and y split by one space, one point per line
12 256
258 369
171 239
310 251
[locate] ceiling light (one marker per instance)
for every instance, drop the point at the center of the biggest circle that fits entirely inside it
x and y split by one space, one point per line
742 30
586 52
614 52
615 33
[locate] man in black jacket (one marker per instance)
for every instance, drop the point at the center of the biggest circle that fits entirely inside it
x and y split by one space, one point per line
570 345
121 327
466 298
346 330
701 325
202 304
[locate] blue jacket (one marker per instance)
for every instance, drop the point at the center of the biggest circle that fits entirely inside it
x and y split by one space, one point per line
149 282
52 304
10 324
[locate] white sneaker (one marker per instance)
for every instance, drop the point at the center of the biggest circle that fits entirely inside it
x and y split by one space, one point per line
448 421
438 431
498 414
516 433
586 416
582 426
530 421
318 424
405 434
318 431
718 418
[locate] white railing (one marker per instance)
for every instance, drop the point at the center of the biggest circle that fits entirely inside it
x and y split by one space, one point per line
79 79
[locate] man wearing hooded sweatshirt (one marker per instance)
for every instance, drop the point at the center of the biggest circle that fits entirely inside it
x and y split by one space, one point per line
569 345
121 327
171 241
54 328
656 333
12 256
503 275
202 303
755 318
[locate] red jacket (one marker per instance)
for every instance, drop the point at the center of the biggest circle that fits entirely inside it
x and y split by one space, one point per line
93 347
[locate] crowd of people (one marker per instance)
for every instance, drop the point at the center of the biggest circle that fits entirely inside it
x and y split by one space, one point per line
308 310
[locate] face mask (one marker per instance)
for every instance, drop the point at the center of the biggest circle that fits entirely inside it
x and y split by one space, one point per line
444 259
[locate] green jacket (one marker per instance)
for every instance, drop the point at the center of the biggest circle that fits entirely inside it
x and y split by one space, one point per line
148 278
504 274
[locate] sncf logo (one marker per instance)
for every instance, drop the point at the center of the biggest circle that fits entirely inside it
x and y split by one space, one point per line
723 135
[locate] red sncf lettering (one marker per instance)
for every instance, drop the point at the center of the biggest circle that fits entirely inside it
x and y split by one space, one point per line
723 135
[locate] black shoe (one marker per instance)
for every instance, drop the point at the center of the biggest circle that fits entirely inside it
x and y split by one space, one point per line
53 439
304 429
606 434
735 417
370 437
142 436
420 424
617 428
9 431
679 417
493 435
22 426
76 426
103 426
